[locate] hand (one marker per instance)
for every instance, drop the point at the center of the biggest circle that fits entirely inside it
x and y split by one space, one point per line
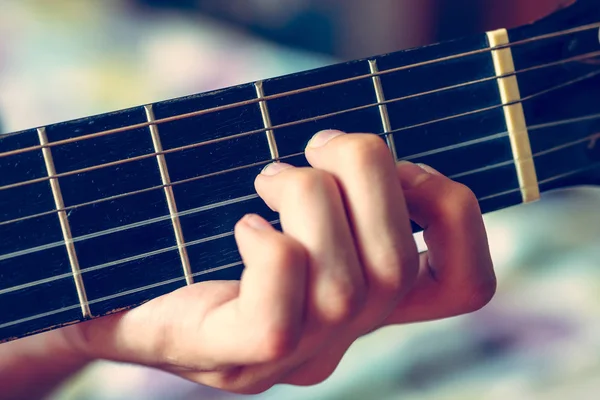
346 264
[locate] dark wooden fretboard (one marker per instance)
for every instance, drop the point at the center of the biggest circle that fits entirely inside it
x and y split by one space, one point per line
107 212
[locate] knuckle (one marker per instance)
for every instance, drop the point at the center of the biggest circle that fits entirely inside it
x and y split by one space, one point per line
464 200
309 181
276 343
480 295
365 149
343 303
288 253
398 273
459 203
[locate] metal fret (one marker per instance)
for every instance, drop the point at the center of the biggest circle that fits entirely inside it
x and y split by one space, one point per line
170 196
64 224
385 119
264 110
514 115
307 89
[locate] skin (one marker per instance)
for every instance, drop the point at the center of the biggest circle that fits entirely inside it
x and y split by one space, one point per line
346 264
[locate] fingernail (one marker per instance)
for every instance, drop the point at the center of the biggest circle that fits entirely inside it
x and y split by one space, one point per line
322 138
412 175
274 168
429 169
256 222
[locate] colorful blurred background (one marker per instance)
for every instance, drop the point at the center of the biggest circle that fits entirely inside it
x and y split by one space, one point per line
538 339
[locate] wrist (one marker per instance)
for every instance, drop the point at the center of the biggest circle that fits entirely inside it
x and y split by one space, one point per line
34 366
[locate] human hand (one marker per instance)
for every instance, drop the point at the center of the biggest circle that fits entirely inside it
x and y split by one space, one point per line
346 264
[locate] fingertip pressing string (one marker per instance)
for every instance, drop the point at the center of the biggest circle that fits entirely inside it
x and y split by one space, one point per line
104 133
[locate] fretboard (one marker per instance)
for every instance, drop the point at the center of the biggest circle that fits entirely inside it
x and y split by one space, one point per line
104 213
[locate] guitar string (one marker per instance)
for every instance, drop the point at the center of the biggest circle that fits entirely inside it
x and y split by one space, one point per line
230 233
222 268
581 57
235 264
215 205
211 110
131 226
249 197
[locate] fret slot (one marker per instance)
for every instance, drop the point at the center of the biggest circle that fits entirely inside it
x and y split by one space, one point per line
514 116
25 200
446 128
310 106
64 224
385 119
216 189
415 108
170 196
212 157
19 265
215 253
221 220
86 153
116 285
37 308
264 110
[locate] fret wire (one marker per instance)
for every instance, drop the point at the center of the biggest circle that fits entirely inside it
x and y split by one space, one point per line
226 234
48 146
117 295
122 261
239 263
521 100
408 158
129 226
254 196
266 117
383 111
146 190
159 251
64 225
307 89
218 140
170 197
239 135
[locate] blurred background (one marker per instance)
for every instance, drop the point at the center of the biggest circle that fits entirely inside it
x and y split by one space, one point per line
538 339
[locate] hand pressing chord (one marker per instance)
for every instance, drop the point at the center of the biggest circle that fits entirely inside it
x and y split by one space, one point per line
345 264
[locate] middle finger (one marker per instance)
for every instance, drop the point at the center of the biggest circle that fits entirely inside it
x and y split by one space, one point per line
312 212
365 170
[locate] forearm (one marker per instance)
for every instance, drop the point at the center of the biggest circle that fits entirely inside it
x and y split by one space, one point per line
33 367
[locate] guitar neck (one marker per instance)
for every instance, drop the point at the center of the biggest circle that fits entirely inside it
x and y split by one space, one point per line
104 213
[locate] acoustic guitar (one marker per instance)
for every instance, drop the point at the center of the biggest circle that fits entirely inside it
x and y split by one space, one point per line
104 213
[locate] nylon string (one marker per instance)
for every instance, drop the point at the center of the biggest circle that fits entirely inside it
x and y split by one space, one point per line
228 266
308 89
230 233
582 78
249 197
216 205
581 57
